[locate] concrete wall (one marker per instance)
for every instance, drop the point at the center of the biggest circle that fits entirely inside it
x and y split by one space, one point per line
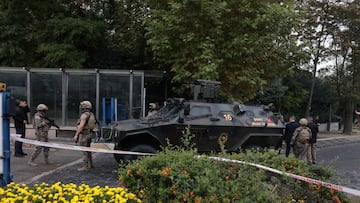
334 126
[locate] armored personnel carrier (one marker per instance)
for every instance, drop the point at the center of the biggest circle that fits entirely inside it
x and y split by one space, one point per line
215 126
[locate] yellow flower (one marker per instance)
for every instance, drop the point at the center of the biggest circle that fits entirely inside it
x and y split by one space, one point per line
64 193
2 191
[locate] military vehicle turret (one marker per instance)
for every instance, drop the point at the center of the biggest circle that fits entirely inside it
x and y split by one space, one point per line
234 126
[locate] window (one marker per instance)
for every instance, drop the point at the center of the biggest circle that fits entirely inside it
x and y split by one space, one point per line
46 89
80 87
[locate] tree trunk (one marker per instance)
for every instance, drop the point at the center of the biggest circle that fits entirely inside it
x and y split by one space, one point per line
348 119
308 107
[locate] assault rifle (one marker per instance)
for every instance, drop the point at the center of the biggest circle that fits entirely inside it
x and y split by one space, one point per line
51 122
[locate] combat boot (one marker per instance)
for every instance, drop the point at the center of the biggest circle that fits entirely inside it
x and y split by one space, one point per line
90 165
32 163
47 161
84 168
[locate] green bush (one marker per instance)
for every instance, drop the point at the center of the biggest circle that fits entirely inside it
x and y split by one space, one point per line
177 176
180 175
299 191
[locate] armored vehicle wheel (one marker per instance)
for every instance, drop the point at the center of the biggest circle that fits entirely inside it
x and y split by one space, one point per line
118 157
137 148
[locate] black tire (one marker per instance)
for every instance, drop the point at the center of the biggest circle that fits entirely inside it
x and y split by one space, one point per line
126 158
118 157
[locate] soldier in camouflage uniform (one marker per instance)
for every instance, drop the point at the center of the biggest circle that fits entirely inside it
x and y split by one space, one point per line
153 109
84 132
301 141
41 126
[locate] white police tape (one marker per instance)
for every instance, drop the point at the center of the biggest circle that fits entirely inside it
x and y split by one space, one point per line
17 137
340 188
298 177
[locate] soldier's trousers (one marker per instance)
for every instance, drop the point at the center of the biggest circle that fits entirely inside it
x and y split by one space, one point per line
302 151
313 152
85 141
37 151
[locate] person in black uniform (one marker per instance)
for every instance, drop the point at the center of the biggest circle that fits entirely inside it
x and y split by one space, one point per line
20 120
314 127
289 132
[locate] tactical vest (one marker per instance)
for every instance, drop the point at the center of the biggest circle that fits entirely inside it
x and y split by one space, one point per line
90 121
39 123
304 134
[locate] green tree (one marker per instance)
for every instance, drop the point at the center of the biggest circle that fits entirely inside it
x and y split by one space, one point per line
288 93
238 42
273 93
295 88
49 33
67 42
314 31
128 33
346 51
17 36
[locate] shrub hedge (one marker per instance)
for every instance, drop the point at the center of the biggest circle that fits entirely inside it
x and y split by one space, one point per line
175 175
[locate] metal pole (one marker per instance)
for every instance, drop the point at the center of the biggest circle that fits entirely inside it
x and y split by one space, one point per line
28 86
6 176
131 89
97 102
166 87
115 109
143 95
143 103
64 95
28 90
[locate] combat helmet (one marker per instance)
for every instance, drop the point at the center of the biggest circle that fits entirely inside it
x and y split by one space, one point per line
152 106
42 107
303 121
85 105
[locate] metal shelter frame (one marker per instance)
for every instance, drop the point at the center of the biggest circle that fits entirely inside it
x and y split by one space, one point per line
131 74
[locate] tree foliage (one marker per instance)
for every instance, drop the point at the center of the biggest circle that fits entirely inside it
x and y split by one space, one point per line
254 48
48 33
317 25
238 42
243 43
346 52
127 38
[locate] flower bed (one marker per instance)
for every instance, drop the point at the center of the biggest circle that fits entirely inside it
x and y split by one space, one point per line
63 193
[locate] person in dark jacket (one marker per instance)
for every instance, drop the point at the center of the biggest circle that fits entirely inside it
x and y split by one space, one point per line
289 132
314 127
20 120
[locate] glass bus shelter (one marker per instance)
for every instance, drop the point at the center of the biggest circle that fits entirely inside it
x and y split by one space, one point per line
63 89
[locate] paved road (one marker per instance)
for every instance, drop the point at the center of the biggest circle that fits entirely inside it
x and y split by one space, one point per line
23 173
104 171
64 166
342 153
344 156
